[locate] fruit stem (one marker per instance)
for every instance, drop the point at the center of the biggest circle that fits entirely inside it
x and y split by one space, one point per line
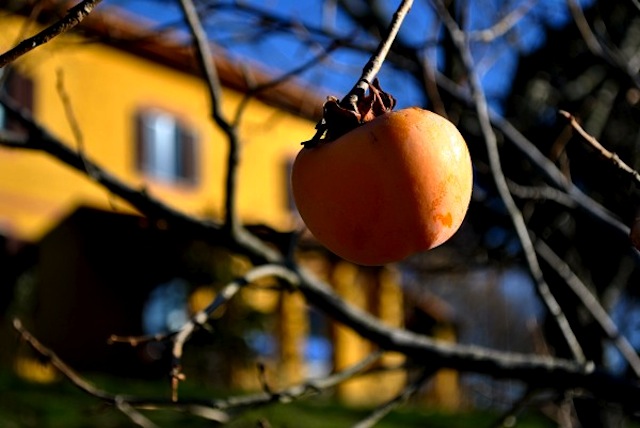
333 123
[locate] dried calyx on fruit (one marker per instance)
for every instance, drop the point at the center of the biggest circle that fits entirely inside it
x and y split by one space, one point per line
339 118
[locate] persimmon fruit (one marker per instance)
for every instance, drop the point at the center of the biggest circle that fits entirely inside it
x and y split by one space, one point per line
391 187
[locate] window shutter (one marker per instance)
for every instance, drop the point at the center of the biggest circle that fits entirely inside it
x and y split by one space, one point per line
187 157
139 144
21 89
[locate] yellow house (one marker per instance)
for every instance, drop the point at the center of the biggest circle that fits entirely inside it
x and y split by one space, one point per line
130 101
133 102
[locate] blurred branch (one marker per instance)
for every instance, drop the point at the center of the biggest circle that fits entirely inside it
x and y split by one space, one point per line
180 336
505 24
310 387
221 298
256 89
214 410
544 371
383 410
556 177
72 120
74 16
231 225
591 304
120 401
613 57
546 193
135 416
206 61
509 417
462 44
40 139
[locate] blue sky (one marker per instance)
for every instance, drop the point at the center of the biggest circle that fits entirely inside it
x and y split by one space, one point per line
282 50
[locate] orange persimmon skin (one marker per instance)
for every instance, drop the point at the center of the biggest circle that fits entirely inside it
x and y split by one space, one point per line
395 186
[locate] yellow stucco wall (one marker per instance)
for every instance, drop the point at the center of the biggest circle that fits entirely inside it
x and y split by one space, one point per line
106 87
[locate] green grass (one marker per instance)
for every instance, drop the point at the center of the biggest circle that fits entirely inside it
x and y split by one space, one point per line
60 405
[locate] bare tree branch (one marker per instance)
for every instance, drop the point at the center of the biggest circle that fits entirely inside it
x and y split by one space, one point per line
505 24
614 158
75 15
482 110
135 416
553 373
199 319
122 402
613 57
206 61
40 139
539 372
383 410
256 89
372 67
541 193
590 302
231 223
215 410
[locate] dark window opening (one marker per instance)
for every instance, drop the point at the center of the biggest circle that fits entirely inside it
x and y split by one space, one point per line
20 89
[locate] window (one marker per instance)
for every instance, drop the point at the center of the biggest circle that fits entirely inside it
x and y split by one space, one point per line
165 148
166 308
20 88
318 351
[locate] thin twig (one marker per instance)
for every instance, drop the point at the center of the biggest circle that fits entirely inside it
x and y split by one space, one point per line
501 27
223 297
547 193
591 304
509 417
122 401
73 122
256 89
546 371
183 334
462 44
39 138
77 131
613 57
614 158
135 416
74 16
373 66
310 387
206 61
383 410
215 410
60 365
231 223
